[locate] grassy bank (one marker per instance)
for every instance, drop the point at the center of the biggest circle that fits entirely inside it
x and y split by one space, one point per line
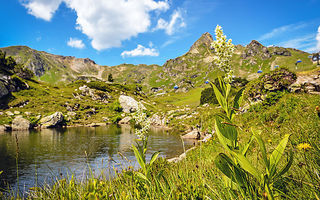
197 177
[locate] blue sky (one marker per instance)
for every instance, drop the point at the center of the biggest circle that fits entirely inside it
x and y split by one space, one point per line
112 32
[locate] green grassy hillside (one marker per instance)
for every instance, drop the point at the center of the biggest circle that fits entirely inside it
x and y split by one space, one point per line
187 71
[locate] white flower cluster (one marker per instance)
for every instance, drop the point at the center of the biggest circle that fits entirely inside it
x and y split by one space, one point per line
224 50
142 122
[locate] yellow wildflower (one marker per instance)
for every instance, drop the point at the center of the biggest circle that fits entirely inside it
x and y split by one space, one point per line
269 140
304 146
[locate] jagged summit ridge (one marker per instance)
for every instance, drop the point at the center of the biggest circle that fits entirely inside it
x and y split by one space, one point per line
205 39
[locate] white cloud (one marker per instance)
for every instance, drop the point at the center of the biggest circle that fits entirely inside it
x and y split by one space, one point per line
306 43
76 43
43 9
280 30
106 22
318 40
176 22
301 42
140 51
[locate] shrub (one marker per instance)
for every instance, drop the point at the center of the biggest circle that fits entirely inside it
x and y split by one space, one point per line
207 96
22 72
99 85
272 98
115 106
115 119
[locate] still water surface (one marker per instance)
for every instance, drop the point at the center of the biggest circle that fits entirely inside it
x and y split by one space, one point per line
53 153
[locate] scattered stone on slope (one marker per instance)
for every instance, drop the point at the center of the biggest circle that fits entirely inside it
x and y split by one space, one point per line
51 121
255 48
19 123
94 94
128 104
9 113
156 120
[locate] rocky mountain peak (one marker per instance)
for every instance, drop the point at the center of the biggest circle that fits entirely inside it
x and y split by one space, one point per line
254 49
205 39
254 44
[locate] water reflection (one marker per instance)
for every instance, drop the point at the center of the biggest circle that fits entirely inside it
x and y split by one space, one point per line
54 152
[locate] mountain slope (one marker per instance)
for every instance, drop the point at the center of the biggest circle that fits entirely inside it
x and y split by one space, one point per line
187 71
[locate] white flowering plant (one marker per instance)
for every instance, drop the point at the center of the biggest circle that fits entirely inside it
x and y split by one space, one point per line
223 50
240 173
142 126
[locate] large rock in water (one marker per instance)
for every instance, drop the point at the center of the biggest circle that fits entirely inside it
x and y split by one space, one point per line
52 120
128 104
19 123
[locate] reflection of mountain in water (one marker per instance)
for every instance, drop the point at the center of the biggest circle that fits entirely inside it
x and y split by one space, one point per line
50 152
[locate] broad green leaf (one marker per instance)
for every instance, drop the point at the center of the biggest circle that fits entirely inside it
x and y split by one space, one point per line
228 130
261 143
277 153
286 167
223 141
222 162
246 165
222 101
142 176
228 88
222 85
139 158
237 102
228 168
154 157
246 147
238 99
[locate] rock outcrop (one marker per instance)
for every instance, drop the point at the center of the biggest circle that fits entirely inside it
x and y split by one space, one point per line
307 83
94 94
129 104
195 134
205 40
254 49
279 79
156 120
8 84
51 121
125 120
19 123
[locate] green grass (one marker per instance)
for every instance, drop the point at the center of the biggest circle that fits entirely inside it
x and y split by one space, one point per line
44 99
196 177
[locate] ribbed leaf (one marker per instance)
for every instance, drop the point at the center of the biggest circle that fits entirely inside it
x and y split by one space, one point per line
219 96
139 158
246 165
258 138
154 157
246 147
277 153
237 102
142 176
223 141
286 167
228 88
227 129
222 86
228 168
